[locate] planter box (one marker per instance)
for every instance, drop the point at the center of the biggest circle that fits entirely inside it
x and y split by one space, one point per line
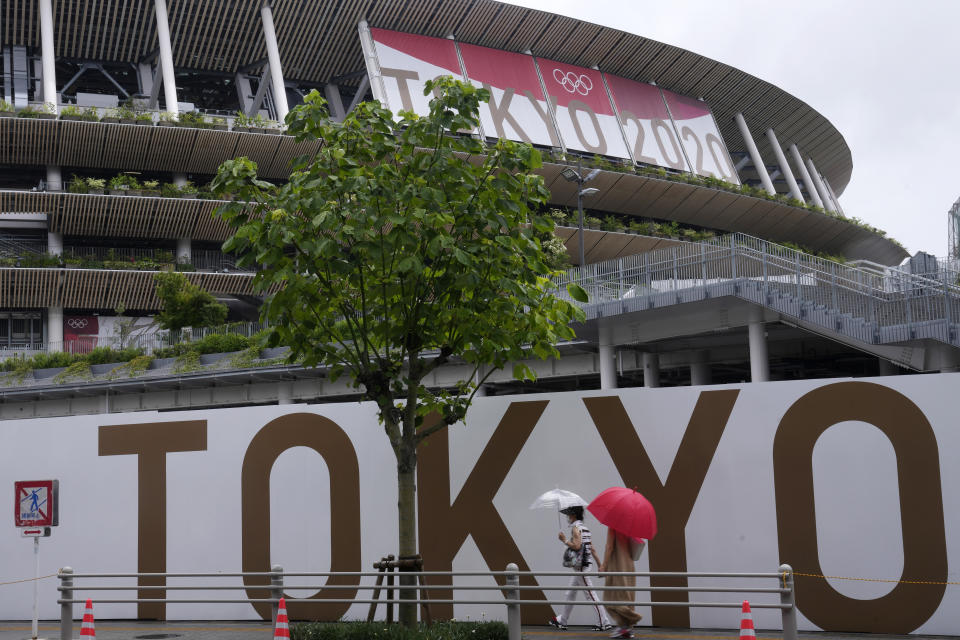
47 116
219 127
119 192
110 120
72 118
96 192
8 114
166 123
150 193
142 123
243 129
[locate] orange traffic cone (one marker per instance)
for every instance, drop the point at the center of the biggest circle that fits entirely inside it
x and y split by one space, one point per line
87 632
283 629
746 623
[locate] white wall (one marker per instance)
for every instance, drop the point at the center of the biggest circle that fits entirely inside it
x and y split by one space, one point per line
733 525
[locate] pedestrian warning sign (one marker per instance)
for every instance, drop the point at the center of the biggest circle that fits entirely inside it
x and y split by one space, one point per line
35 504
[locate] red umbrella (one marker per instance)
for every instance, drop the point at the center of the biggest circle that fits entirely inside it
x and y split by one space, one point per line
625 510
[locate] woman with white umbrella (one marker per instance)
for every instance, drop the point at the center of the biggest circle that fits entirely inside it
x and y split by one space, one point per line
579 561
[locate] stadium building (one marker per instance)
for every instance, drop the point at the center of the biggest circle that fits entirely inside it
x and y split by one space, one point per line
697 173
700 208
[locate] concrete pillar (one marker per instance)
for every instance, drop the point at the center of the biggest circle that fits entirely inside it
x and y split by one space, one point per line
166 58
820 187
54 178
482 389
608 363
759 359
55 328
805 175
273 55
651 370
48 55
334 101
284 393
887 368
833 195
784 165
54 243
244 92
700 369
145 77
48 62
184 255
754 154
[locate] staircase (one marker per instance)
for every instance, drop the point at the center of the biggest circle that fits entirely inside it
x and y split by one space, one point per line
860 303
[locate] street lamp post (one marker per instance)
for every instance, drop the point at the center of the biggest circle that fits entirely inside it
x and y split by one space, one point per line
576 175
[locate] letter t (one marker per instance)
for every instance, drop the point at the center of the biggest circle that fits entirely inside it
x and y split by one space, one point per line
151 442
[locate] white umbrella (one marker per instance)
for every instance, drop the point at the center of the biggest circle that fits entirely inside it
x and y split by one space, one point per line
558 499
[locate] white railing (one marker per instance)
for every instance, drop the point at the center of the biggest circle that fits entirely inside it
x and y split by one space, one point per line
861 301
423 588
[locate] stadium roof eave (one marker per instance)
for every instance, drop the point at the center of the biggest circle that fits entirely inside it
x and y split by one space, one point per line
318 45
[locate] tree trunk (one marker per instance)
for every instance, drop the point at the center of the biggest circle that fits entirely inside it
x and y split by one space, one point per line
407 507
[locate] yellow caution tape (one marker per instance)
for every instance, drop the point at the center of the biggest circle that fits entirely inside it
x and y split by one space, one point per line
817 575
27 579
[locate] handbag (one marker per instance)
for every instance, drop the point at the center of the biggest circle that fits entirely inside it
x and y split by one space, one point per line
571 558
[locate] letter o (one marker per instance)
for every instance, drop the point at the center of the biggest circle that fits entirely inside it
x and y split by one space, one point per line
575 107
907 606
326 438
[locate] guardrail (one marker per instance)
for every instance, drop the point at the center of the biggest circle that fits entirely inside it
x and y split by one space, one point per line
862 303
512 592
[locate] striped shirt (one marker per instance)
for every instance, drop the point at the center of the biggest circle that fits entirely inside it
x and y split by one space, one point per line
585 542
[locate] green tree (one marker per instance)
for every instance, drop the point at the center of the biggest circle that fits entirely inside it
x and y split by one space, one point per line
185 304
397 249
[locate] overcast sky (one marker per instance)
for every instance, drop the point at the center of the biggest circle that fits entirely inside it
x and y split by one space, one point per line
887 75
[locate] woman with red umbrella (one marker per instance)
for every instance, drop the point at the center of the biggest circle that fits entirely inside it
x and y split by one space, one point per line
630 518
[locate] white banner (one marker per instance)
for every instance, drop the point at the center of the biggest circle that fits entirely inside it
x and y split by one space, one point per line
632 121
584 114
646 123
407 61
700 137
733 471
517 109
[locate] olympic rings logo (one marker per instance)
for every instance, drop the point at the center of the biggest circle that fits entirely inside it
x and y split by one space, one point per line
572 82
77 323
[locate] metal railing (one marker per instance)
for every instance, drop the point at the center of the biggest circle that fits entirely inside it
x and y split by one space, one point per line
871 305
13 247
201 259
513 595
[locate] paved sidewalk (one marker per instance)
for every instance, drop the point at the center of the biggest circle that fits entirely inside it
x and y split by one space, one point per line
227 630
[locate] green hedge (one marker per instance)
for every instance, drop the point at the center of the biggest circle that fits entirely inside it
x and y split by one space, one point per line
384 631
215 343
58 359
